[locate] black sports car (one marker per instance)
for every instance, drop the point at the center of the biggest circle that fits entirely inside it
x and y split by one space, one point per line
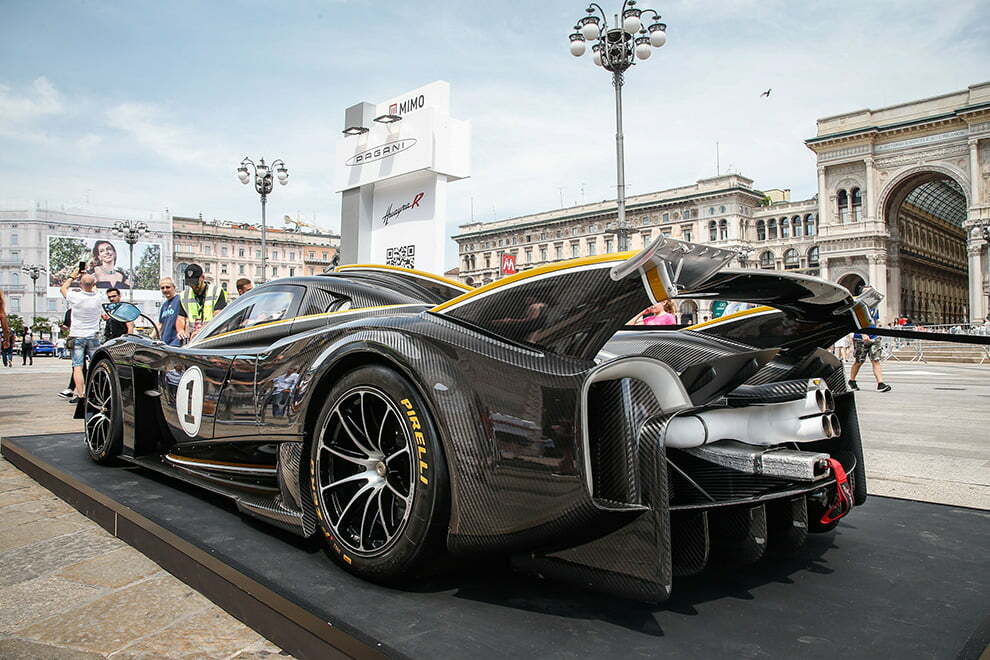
404 416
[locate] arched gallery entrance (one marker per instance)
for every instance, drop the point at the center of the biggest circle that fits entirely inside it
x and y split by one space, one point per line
853 282
924 214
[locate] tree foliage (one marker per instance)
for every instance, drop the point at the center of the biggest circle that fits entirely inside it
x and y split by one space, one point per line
16 323
64 254
148 270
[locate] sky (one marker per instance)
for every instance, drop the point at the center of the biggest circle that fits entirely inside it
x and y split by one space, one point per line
152 105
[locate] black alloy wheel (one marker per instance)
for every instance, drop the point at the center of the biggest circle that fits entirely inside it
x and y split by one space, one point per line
378 477
103 415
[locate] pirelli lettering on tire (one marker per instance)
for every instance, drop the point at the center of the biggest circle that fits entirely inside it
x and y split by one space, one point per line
417 430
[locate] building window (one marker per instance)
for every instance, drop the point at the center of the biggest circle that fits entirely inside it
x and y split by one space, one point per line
207 249
326 255
223 269
240 252
488 259
813 256
15 278
809 225
608 245
666 217
785 228
712 231
15 304
686 233
51 305
543 253
575 249
772 229
257 254
558 251
791 259
258 272
857 204
312 255
711 210
292 255
592 247
761 230
529 255
223 252
646 220
240 269
766 260
796 222
274 271
224 284
842 203
292 271
723 230
208 268
14 239
645 237
721 209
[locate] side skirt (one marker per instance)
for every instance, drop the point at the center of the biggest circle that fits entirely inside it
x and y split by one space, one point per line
265 504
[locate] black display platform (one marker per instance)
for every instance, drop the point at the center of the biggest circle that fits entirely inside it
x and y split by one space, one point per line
896 579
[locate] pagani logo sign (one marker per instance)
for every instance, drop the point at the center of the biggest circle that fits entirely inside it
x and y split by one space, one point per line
391 213
380 152
415 103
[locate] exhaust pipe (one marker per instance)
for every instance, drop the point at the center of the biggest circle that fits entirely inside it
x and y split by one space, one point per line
755 425
782 463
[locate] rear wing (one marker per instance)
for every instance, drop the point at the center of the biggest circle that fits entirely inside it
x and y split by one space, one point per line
574 307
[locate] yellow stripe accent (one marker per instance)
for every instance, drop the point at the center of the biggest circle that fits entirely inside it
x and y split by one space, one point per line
533 272
862 316
411 271
656 284
297 318
734 315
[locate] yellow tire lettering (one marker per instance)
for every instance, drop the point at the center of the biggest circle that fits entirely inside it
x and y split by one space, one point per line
346 558
423 479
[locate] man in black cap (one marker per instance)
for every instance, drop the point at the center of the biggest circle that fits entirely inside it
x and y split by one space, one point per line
201 300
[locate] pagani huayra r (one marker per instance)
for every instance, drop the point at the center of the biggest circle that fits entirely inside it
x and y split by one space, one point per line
403 417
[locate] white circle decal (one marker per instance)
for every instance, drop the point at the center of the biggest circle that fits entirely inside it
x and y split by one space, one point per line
189 401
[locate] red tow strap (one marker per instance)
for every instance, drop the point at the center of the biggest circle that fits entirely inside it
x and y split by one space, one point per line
843 502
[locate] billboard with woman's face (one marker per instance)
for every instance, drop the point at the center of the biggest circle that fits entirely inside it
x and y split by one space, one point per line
109 261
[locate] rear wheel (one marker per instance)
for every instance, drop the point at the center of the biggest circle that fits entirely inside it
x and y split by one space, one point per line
378 477
103 415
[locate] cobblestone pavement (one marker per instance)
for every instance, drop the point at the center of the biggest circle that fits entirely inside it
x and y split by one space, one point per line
68 589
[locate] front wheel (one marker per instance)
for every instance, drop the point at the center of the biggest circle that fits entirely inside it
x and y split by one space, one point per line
103 415
378 476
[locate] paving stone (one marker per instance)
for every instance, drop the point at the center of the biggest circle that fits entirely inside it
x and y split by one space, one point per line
113 569
22 649
262 649
50 505
30 561
112 622
25 512
209 634
33 492
7 485
28 602
35 531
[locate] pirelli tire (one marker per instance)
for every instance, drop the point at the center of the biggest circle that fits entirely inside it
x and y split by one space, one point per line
103 415
378 477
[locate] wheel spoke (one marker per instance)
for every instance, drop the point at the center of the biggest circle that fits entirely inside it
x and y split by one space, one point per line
357 443
364 517
346 480
404 450
381 429
381 513
404 498
364 419
347 457
363 489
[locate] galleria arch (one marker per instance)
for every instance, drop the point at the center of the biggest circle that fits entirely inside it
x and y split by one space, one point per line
902 195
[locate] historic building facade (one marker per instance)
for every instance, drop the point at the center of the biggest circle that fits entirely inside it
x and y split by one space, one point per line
902 195
229 251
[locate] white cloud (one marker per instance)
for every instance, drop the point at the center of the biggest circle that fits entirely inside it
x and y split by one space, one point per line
145 124
21 112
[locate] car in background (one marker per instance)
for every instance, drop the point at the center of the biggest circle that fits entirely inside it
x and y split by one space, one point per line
44 347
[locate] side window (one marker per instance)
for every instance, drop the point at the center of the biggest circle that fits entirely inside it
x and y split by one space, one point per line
255 309
322 301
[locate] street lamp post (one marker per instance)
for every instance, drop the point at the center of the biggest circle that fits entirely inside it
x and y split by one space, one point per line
34 272
263 184
131 232
616 49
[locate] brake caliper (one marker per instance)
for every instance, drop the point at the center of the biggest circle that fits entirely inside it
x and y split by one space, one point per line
843 501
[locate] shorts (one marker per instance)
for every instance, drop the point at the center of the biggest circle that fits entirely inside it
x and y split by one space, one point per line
83 347
863 350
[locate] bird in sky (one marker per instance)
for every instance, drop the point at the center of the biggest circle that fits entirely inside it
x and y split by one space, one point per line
766 93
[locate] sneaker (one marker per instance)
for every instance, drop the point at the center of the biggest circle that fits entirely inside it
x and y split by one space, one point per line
77 399
883 387
65 394
853 385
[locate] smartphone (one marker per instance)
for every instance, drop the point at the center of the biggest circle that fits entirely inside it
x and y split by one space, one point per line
82 266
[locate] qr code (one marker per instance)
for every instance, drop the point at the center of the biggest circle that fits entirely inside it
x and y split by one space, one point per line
404 256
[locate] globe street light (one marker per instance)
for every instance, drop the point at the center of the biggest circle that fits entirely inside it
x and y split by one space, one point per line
263 184
34 272
615 49
131 232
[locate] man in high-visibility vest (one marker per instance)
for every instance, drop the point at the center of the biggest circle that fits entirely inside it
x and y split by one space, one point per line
200 300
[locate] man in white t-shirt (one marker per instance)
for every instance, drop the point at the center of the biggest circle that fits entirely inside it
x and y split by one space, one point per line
87 307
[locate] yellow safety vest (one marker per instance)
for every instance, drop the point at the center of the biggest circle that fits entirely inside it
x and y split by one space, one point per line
194 310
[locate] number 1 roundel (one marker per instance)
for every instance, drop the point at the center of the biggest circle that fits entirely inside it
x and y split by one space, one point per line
189 401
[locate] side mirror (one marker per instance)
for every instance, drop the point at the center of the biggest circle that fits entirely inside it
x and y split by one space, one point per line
121 311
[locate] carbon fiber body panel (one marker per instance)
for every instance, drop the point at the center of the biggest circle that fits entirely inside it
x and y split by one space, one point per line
504 381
